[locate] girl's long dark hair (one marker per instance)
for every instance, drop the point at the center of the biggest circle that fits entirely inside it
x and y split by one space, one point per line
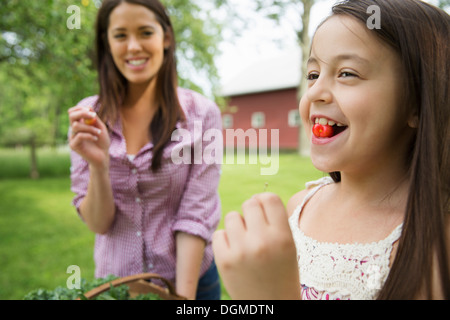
113 86
419 33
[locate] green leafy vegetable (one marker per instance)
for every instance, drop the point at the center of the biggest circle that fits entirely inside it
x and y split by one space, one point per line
114 293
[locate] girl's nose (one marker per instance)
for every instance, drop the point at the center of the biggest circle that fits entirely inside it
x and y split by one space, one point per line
320 91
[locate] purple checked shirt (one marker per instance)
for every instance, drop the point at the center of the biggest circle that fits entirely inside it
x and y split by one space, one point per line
151 207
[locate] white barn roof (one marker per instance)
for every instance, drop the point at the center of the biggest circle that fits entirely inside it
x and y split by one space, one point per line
279 72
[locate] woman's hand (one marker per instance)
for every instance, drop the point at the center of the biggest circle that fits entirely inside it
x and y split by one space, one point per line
256 254
91 141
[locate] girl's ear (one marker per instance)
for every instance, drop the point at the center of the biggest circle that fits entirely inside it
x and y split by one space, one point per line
413 121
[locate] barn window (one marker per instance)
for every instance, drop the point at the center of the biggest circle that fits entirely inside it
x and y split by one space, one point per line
293 118
258 120
227 121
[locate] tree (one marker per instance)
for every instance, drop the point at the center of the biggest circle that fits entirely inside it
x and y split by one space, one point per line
444 4
197 36
45 65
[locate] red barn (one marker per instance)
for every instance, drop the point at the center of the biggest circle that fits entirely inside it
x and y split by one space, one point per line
264 96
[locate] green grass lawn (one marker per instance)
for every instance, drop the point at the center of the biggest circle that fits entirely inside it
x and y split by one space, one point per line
240 181
41 235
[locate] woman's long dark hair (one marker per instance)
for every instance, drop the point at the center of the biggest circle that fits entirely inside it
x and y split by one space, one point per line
113 85
419 33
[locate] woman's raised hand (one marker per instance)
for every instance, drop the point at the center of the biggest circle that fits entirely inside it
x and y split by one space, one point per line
88 136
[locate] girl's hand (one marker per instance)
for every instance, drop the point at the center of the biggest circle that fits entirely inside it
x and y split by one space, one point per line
89 138
256 254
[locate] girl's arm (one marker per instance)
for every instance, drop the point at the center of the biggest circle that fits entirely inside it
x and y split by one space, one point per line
189 255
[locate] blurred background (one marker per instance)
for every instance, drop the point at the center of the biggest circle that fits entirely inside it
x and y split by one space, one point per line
46 67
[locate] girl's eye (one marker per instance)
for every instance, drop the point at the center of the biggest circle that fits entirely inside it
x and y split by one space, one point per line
119 36
346 74
147 33
312 76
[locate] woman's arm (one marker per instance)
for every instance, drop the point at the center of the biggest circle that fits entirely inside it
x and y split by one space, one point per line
199 212
189 255
91 142
97 207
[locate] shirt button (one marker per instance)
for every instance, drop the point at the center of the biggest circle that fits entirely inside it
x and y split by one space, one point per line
138 233
138 200
150 266
133 171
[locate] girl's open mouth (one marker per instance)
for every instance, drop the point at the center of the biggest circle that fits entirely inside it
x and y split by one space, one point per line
324 128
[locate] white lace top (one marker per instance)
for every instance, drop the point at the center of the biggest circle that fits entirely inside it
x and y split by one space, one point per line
333 271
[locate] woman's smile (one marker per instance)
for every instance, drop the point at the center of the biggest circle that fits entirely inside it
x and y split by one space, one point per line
137 63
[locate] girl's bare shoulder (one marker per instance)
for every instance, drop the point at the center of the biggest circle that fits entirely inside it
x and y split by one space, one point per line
299 197
296 200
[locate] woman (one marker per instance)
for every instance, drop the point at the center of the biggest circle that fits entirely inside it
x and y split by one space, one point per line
149 214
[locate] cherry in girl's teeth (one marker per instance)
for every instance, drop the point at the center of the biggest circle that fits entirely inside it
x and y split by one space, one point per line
323 131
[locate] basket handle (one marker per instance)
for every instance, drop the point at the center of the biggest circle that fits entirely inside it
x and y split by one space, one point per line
117 282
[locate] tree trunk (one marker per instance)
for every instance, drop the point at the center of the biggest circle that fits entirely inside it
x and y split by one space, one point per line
34 173
304 42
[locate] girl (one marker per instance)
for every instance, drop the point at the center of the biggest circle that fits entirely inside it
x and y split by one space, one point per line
149 214
376 109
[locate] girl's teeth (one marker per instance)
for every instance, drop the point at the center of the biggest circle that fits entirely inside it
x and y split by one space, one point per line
324 121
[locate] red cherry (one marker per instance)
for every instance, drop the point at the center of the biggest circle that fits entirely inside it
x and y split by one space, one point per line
91 121
322 131
317 129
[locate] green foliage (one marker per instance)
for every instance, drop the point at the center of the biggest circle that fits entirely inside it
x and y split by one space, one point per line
444 4
197 35
45 67
114 293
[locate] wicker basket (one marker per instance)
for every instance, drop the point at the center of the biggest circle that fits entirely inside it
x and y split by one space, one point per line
138 284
